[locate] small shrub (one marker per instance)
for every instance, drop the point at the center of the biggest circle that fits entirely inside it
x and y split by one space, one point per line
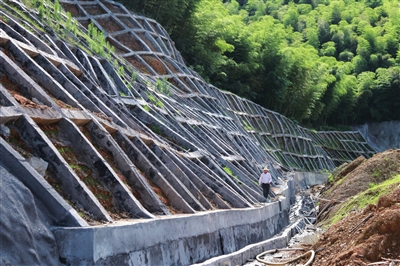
227 170
159 104
151 98
162 86
134 76
156 129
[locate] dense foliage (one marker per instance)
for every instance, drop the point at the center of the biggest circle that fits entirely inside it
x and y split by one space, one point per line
173 15
319 62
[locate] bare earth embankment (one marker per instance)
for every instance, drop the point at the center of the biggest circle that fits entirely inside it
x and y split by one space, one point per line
369 233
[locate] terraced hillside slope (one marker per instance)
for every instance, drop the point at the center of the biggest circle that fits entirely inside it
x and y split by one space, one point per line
101 120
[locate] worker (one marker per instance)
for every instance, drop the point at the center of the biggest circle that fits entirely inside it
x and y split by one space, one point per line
265 182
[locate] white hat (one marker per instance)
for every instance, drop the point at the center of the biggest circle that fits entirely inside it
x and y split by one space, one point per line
266 168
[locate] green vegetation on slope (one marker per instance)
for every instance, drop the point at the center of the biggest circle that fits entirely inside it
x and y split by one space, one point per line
318 62
363 199
61 23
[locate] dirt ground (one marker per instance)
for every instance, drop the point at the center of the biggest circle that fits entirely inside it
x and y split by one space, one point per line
370 236
361 173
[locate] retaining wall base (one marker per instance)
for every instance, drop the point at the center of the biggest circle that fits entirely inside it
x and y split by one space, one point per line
204 237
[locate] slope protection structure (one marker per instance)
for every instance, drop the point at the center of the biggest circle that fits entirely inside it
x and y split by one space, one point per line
133 133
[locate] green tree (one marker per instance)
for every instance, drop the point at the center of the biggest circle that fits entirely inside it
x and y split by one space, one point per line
291 17
336 10
384 102
256 9
268 38
316 61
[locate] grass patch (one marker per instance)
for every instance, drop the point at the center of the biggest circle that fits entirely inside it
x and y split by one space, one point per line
163 86
4 18
246 126
74 166
376 173
146 107
151 98
62 150
340 181
159 104
156 129
229 172
50 130
331 181
363 199
155 101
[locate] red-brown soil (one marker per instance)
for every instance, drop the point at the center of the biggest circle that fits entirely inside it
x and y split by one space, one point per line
155 64
73 9
374 170
370 235
113 8
129 41
138 65
128 22
109 25
94 9
376 239
28 103
143 37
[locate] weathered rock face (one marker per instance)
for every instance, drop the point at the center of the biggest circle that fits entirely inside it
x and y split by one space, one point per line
24 226
133 133
382 136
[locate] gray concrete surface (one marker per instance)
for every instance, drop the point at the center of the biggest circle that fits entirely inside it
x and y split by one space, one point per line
244 255
19 167
303 180
381 136
177 240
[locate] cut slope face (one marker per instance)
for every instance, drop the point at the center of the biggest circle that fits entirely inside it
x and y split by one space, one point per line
376 239
25 231
371 234
131 132
147 46
375 170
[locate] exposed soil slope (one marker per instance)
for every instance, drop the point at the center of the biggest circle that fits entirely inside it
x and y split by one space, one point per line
372 171
371 234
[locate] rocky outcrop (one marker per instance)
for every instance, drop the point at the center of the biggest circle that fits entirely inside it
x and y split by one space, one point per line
24 226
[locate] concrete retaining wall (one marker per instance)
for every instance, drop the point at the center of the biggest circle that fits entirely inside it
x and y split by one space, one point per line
303 180
381 136
178 240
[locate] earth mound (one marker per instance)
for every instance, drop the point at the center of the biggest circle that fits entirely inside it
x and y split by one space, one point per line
352 180
366 234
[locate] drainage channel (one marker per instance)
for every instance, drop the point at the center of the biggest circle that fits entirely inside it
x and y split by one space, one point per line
289 244
297 251
223 237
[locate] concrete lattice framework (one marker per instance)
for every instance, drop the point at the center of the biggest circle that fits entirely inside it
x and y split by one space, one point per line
152 139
